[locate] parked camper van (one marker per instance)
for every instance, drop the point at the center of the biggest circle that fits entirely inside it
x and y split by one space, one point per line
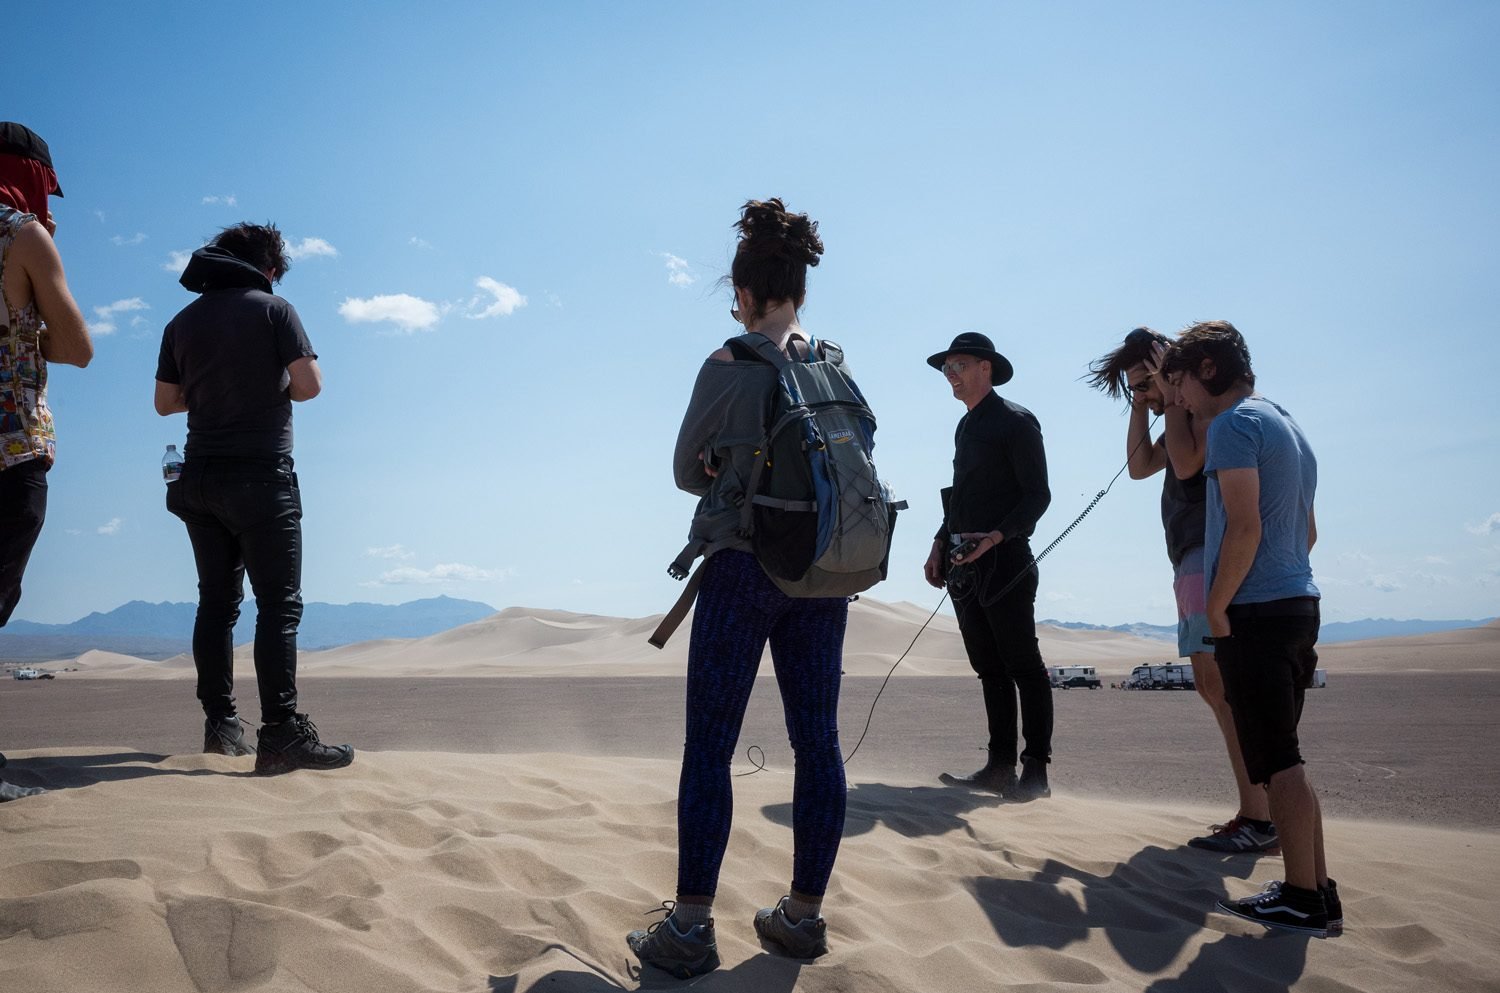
1172 676
1066 677
28 674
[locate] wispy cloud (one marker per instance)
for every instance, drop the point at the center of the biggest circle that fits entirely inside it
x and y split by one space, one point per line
679 273
421 243
309 248
390 552
177 261
407 312
110 527
449 572
105 316
223 199
503 300
1488 526
1385 583
99 214
134 239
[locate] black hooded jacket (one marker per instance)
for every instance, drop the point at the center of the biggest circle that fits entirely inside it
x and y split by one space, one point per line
229 351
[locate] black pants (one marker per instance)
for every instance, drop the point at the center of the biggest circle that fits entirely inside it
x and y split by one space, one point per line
244 515
23 508
1267 663
1000 638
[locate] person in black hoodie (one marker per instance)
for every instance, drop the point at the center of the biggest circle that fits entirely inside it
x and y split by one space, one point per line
234 360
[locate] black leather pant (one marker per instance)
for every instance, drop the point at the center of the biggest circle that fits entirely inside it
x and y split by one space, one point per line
23 508
244 516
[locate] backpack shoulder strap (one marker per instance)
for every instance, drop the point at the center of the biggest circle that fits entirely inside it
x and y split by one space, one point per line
758 346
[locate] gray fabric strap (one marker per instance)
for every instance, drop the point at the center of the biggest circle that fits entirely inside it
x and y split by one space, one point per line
765 501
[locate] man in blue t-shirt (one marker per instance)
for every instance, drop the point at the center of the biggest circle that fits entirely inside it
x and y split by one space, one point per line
1262 604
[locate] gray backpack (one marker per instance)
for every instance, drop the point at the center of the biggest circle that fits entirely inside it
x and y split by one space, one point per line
816 512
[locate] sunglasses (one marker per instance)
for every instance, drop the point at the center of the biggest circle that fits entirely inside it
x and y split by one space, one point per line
956 367
1140 387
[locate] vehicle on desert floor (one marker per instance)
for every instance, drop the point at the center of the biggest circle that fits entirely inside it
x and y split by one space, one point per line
1066 677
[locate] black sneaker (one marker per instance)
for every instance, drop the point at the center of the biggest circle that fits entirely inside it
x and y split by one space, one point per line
1280 905
225 736
293 744
683 954
807 939
1240 837
1334 908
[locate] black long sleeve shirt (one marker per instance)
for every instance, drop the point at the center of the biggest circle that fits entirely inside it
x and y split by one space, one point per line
999 472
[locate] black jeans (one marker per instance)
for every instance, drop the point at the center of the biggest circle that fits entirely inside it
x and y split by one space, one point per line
1000 638
244 515
23 508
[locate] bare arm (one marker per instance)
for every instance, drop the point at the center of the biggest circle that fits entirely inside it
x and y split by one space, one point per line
1312 529
66 338
306 379
1187 441
1240 491
169 399
1144 458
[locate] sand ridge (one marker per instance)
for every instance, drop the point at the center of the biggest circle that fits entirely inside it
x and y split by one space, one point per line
445 872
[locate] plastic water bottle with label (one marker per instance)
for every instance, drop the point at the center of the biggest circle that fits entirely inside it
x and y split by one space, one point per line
171 465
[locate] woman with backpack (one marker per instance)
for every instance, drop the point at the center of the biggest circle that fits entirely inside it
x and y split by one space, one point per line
739 609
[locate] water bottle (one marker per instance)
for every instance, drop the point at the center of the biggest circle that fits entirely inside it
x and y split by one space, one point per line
171 465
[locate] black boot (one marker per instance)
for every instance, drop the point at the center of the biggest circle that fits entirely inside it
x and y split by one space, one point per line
225 736
293 744
1033 784
995 777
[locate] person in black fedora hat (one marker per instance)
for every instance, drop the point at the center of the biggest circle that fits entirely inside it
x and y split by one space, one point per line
982 553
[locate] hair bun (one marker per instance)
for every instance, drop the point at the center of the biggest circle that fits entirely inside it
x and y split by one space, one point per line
768 229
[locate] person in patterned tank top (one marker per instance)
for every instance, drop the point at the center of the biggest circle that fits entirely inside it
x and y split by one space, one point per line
41 324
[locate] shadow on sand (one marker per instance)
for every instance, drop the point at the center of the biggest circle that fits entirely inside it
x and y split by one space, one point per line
766 973
911 811
73 771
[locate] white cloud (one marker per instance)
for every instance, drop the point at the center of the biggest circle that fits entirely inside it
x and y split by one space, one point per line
1488 526
71 531
421 243
390 552
99 214
1058 597
1355 558
112 527
504 300
407 312
105 322
1385 583
226 199
309 248
448 572
678 271
1435 560
134 239
177 261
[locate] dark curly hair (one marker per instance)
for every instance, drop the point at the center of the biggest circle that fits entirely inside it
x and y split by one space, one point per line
774 251
1218 341
1110 373
261 245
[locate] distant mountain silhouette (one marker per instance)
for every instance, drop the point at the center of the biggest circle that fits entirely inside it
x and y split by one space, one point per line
160 630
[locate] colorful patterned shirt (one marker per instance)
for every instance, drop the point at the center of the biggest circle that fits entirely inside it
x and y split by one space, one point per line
26 430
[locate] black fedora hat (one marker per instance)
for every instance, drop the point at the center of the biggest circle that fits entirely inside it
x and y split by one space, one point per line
976 344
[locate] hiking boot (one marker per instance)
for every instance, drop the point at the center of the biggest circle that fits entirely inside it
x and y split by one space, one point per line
10 791
1334 908
1033 782
1239 837
1280 905
995 777
225 736
807 939
683 954
293 744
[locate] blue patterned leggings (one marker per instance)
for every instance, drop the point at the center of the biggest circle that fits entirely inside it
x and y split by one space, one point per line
738 610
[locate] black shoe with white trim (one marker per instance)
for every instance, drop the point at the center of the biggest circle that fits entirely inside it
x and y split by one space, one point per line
1281 905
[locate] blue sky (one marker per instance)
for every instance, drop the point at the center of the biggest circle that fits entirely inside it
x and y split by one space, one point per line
510 220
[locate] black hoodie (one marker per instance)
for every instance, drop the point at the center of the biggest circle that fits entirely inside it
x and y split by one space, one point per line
229 350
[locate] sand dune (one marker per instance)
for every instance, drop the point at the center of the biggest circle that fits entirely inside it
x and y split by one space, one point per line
471 873
523 641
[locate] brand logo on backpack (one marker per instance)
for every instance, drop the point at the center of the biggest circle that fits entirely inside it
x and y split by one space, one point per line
841 437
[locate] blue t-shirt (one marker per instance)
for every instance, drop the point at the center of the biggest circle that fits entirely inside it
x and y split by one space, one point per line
1257 434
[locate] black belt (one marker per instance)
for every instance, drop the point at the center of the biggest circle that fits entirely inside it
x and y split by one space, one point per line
1296 606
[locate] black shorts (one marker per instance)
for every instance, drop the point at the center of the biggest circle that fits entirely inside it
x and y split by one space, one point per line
1267 664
